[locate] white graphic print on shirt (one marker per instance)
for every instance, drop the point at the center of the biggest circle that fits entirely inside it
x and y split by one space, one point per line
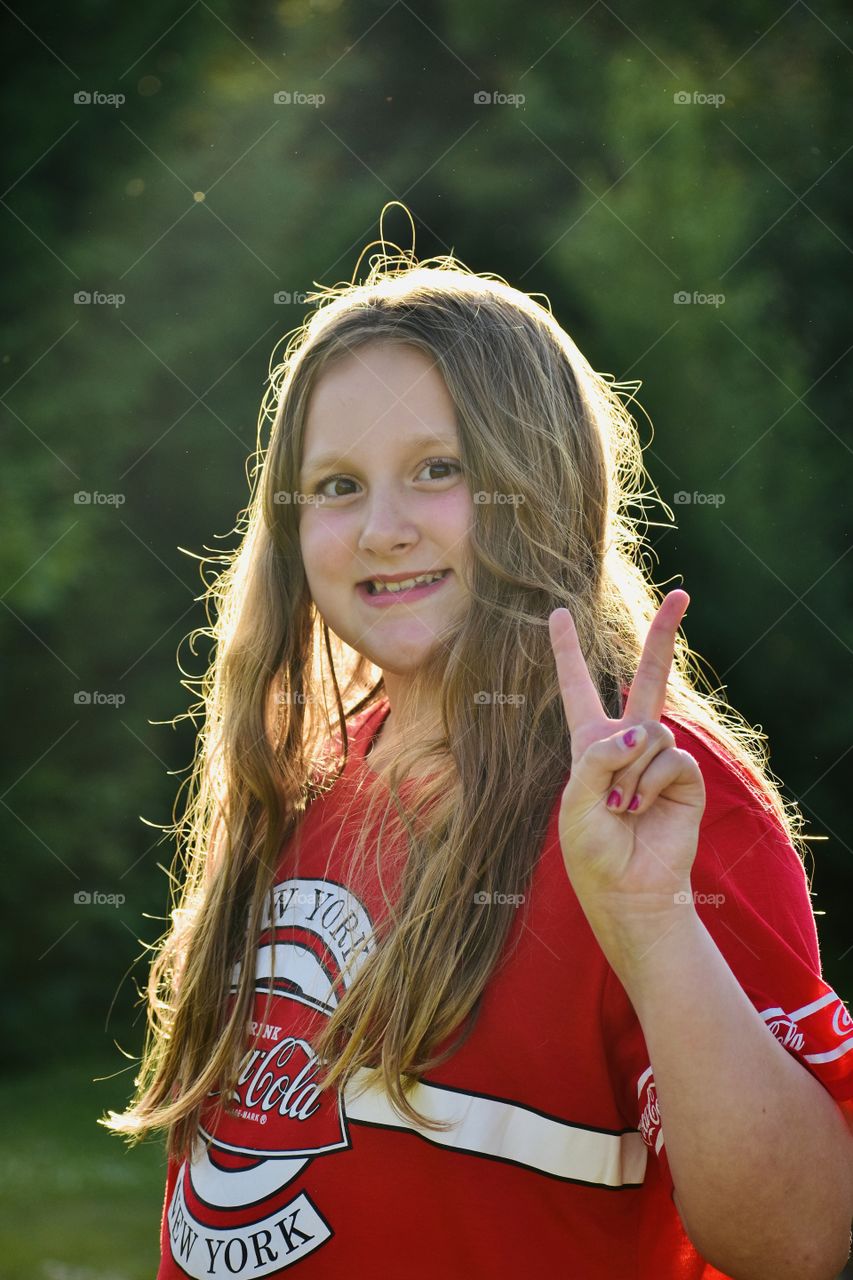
277 1119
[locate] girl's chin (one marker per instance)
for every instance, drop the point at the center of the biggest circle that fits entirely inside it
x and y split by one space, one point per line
402 654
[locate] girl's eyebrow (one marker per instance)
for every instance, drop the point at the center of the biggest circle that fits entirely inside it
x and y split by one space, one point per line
332 458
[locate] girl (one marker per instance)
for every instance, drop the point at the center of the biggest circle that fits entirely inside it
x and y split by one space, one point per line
495 947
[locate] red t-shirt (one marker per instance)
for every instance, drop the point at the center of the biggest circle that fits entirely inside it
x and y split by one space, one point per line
556 1158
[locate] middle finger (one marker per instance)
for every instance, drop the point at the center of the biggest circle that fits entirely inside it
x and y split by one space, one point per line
647 694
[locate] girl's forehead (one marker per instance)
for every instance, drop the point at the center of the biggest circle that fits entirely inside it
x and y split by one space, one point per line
375 362
393 385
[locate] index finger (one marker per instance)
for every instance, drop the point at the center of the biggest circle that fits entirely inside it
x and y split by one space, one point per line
647 694
580 696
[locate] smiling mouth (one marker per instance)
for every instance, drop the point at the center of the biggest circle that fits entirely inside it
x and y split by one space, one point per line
391 590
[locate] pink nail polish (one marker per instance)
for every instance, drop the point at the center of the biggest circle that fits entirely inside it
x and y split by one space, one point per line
630 738
635 804
614 799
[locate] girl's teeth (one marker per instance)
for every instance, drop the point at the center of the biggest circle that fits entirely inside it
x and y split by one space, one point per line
406 584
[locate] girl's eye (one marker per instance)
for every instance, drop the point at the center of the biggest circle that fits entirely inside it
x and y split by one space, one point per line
321 485
442 462
429 464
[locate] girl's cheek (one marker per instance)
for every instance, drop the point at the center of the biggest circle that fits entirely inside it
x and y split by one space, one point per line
324 540
308 540
453 509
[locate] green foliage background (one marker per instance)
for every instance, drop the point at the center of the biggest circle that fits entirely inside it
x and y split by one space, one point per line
600 190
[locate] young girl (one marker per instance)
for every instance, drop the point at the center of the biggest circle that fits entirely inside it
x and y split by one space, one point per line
495 947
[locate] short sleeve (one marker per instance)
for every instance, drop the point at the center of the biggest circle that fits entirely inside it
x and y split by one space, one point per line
751 892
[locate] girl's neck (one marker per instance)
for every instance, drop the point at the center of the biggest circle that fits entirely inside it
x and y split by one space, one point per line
385 748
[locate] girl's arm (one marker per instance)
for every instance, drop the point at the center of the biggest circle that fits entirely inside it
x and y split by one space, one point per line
758 1150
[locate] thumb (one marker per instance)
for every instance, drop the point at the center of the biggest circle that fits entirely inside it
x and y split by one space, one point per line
593 773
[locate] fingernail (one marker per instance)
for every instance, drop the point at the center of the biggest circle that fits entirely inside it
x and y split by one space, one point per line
635 804
614 799
632 737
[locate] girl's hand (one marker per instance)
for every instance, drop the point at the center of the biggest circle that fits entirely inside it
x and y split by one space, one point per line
627 868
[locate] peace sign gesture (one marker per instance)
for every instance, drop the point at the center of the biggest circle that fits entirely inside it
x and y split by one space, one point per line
630 861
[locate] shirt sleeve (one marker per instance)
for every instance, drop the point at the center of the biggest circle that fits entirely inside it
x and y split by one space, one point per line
751 893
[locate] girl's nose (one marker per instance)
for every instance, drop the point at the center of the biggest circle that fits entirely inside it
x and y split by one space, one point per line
386 526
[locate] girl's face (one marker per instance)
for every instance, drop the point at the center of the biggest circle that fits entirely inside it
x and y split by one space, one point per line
382 450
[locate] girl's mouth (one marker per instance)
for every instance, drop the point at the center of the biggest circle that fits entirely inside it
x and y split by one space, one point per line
368 593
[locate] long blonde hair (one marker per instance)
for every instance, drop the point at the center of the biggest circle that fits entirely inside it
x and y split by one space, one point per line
534 421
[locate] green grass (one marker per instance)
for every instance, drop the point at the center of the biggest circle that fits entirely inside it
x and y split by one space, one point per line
76 1203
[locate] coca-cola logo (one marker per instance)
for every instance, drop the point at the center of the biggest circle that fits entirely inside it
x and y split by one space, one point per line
650 1119
277 1108
787 1032
842 1023
268 1085
277 1118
